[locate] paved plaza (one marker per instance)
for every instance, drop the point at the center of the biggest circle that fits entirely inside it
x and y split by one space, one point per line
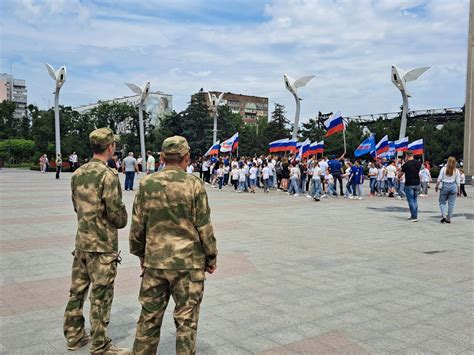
294 276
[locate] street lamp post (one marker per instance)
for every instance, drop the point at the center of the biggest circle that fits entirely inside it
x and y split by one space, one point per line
59 77
143 93
399 79
292 85
214 103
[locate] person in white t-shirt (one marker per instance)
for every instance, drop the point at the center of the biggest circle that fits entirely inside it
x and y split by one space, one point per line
329 179
425 179
316 190
234 173
253 177
380 177
271 169
206 164
226 173
450 180
294 180
190 168
242 179
324 168
266 177
220 175
390 173
346 176
462 183
246 168
373 173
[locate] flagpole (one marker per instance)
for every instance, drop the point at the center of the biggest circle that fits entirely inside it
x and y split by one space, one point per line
344 136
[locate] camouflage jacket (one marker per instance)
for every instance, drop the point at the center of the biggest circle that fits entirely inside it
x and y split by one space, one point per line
171 222
97 200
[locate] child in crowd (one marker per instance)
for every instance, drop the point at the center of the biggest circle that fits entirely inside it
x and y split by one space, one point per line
425 178
253 178
235 177
242 179
329 180
220 176
266 177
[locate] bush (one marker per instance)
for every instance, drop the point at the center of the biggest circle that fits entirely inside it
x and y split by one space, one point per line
16 150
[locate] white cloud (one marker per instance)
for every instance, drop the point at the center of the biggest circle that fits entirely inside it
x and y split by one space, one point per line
348 45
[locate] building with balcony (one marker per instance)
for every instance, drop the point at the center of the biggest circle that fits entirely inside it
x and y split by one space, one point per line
251 108
12 89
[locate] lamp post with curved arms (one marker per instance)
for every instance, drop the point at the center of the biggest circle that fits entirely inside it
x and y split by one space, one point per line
292 85
214 103
400 78
59 76
143 92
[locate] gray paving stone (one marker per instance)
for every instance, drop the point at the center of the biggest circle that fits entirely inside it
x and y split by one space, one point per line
373 285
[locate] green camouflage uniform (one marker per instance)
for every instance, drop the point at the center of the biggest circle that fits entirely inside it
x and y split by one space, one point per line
97 200
171 229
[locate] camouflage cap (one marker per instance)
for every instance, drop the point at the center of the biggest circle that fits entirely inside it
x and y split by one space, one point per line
175 145
103 137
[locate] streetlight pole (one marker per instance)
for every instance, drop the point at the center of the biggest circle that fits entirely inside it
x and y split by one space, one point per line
59 77
400 78
143 93
214 103
292 85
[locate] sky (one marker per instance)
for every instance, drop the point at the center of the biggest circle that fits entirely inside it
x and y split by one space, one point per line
241 46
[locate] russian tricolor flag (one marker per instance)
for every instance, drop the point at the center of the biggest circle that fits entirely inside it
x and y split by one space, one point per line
382 146
231 144
214 150
282 145
315 148
334 124
304 147
401 145
417 147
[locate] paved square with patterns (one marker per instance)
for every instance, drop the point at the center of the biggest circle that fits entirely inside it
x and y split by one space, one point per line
295 277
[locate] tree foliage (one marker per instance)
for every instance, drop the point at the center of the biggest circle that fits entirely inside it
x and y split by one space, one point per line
18 150
196 124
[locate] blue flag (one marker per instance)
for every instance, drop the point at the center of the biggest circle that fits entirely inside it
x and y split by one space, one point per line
365 147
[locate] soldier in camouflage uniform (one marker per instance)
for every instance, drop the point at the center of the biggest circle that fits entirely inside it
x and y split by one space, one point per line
97 200
172 235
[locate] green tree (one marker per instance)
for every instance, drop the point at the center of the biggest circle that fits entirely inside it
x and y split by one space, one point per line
278 127
17 150
9 125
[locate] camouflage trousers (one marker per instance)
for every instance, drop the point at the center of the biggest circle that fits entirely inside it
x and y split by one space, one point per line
186 287
98 270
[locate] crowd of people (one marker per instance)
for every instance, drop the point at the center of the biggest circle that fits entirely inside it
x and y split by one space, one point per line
330 177
314 177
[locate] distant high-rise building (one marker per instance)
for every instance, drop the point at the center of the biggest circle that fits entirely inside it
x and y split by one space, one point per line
157 105
14 90
251 108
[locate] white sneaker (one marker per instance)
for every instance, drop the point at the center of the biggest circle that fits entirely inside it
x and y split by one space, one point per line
308 196
360 198
296 195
